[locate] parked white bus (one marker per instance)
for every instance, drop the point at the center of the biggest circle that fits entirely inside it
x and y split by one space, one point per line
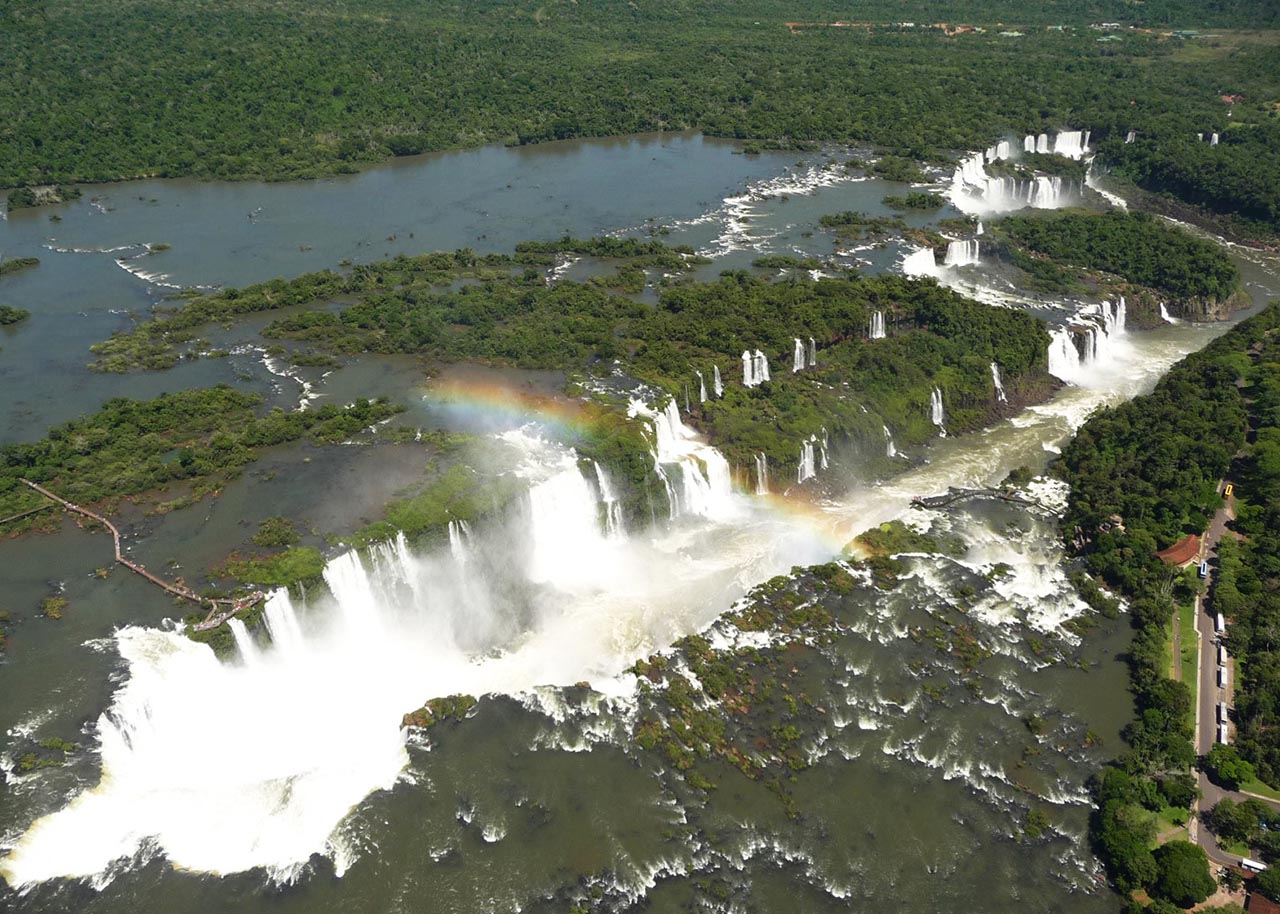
1252 866
1222 677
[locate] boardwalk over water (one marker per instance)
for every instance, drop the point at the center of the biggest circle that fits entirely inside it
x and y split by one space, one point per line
220 609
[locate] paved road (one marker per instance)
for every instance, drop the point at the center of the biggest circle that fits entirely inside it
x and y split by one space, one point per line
1208 695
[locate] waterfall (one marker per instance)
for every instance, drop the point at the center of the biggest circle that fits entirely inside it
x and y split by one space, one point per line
282 622
1074 144
936 411
805 469
1086 341
980 229
823 447
565 529
612 507
702 387
762 474
920 263
813 353
717 384
889 449
797 357
459 541
696 475
748 370
995 378
761 367
1036 144
877 325
244 642
1130 137
962 253
973 190
1002 150
1213 139
1166 316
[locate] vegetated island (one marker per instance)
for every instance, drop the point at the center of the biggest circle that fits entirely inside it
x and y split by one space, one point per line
14 264
934 339
1156 264
10 315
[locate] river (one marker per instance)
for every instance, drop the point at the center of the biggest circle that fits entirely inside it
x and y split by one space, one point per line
285 771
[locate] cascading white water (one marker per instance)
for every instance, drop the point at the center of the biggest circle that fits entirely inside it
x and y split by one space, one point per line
979 229
889 449
1036 144
805 468
1166 316
460 540
762 474
697 475
962 253
1130 137
761 367
1087 341
920 263
245 644
937 414
975 191
717 385
1074 144
813 353
1213 139
613 527
995 379
876 327
824 461
797 356
748 370
1002 150
282 622
702 387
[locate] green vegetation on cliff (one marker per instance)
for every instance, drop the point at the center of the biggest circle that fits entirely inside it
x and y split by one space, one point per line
1143 474
1134 246
508 314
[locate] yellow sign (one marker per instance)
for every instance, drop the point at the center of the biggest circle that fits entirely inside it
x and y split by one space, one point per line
1226 493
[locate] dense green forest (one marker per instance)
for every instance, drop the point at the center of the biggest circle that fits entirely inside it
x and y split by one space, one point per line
96 91
1142 475
506 313
1246 586
200 437
1238 179
1134 246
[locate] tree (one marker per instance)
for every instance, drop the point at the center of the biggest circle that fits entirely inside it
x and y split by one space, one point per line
1183 875
1232 821
1224 766
1268 883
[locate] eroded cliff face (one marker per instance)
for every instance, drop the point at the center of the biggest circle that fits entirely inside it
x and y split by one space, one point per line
1209 309
1149 308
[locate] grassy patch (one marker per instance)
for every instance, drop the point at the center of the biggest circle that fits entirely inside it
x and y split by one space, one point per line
1261 789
